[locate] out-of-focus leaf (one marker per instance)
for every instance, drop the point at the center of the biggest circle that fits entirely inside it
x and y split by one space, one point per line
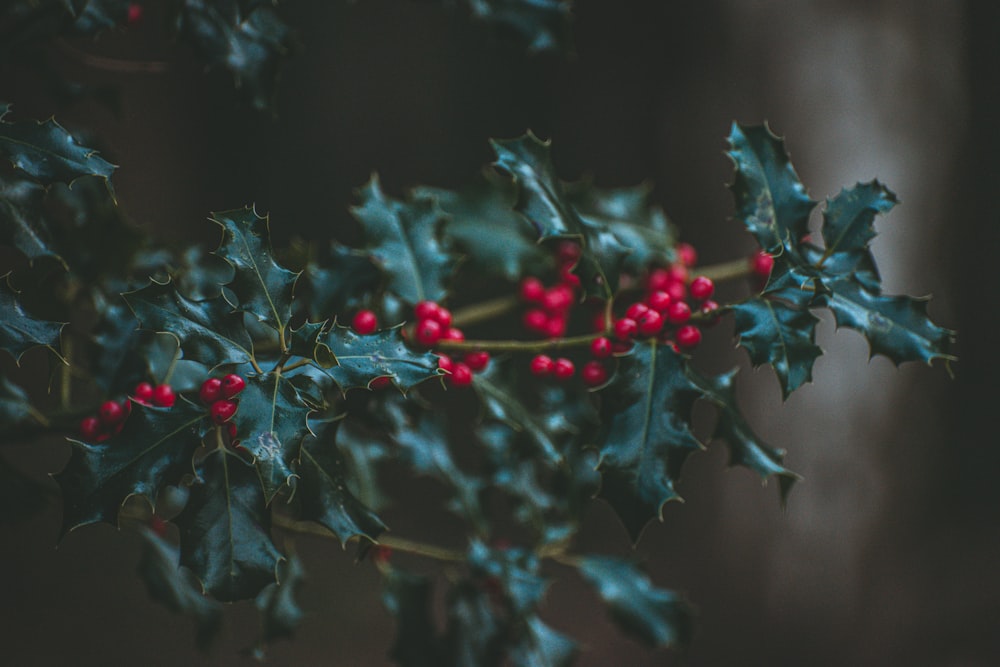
340 283
542 25
279 612
20 331
408 598
22 222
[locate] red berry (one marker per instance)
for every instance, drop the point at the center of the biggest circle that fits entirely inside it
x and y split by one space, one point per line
232 384
453 333
211 391
164 396
569 279
365 322
650 323
477 361
102 436
133 14
535 320
620 347
563 369
426 310
555 327
110 413
762 264
143 392
461 375
686 254
600 348
222 411
532 290
541 365
710 308
567 253
443 317
625 328
688 336
428 332
658 300
658 280
90 428
677 274
594 374
677 291
444 362
231 430
678 312
381 382
557 299
701 288
636 310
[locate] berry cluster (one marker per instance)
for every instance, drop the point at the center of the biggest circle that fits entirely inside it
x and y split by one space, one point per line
217 393
111 415
549 307
433 326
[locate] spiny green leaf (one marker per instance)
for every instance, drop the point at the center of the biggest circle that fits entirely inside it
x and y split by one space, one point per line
263 287
272 422
408 598
541 24
49 153
403 240
774 333
895 326
746 448
279 612
502 403
225 530
341 283
322 490
304 340
22 223
654 616
176 589
14 405
361 359
770 200
646 434
848 222
209 331
20 331
154 449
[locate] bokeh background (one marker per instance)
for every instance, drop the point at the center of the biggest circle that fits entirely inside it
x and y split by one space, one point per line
887 553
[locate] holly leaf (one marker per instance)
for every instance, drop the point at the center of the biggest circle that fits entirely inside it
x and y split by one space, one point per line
304 340
263 287
225 530
176 589
502 403
48 153
475 634
408 598
14 404
403 241
20 331
361 359
272 422
22 223
541 646
746 449
324 496
340 286
848 222
516 572
774 333
279 612
654 616
646 434
540 196
543 25
209 331
895 326
154 449
770 200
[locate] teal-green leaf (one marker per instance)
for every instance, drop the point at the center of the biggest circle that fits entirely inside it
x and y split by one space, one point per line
848 221
896 326
652 615
280 614
777 334
14 405
361 359
176 589
264 288
19 330
770 200
271 422
209 331
340 283
324 496
47 152
646 434
225 530
502 402
403 241
22 223
542 25
541 646
745 447
154 449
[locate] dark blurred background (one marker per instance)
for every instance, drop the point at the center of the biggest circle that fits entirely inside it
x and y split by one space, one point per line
887 553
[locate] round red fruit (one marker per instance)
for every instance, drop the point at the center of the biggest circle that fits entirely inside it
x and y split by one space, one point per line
688 336
443 318
133 15
110 413
678 312
90 428
569 279
558 299
636 310
222 411
686 254
555 327
650 323
477 361
541 365
428 332
600 348
535 320
532 290
762 264
625 328
701 288
453 333
426 310
211 391
658 280
232 384
164 396
677 274
461 375
710 309
677 291
143 392
594 374
563 369
365 322
567 253
658 300
445 363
